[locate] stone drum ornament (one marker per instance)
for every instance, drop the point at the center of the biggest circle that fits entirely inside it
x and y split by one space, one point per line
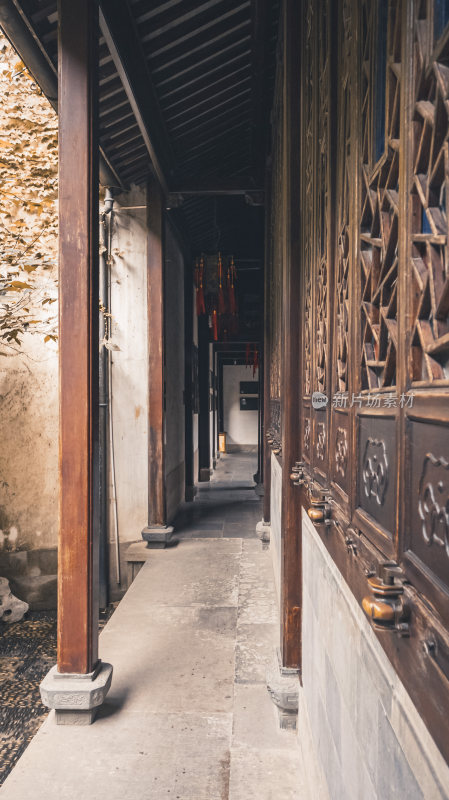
11 608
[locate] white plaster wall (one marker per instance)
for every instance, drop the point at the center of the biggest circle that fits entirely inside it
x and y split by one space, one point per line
241 426
370 739
174 373
130 364
29 446
275 522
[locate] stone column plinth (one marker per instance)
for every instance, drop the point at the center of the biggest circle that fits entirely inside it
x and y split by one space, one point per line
157 536
75 697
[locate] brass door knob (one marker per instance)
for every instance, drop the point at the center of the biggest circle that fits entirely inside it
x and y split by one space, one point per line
317 514
378 610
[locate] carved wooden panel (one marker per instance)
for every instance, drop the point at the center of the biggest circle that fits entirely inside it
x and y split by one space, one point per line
308 217
376 485
322 190
340 456
342 299
306 435
380 210
340 466
429 358
426 529
375 315
428 538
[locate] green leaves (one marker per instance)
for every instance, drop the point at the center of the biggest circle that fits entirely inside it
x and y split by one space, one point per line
28 207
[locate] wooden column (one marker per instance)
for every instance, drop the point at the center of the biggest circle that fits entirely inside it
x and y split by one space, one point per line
203 419
188 382
291 590
78 336
157 531
267 355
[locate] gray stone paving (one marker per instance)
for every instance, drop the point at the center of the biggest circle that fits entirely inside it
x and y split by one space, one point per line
188 716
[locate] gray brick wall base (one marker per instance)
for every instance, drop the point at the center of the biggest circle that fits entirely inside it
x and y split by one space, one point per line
369 738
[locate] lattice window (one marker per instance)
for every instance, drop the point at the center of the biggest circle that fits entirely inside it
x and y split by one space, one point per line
322 186
380 210
430 194
343 229
308 215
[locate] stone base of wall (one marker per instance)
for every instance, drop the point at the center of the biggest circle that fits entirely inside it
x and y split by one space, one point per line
241 448
371 741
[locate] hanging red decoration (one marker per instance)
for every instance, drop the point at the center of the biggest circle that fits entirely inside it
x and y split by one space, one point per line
248 354
221 297
199 281
255 360
214 317
231 288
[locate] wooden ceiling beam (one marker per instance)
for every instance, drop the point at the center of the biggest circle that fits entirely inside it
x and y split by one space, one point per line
241 185
118 28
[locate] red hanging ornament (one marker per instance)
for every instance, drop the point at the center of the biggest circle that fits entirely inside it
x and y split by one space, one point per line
221 297
199 277
214 324
255 361
231 288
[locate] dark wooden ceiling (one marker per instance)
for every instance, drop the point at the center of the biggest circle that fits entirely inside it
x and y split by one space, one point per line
211 67
185 89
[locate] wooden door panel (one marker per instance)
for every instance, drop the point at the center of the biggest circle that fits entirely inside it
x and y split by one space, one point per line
306 433
376 479
426 532
340 455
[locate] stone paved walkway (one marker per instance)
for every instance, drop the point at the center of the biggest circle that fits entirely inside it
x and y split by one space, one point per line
188 716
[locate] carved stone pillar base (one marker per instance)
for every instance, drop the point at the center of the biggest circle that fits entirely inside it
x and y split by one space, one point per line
263 530
74 697
283 686
157 536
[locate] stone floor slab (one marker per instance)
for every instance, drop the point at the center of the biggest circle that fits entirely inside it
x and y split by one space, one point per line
257 775
255 643
188 716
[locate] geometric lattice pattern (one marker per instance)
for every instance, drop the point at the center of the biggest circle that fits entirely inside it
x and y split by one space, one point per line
380 225
322 178
343 221
430 269
308 215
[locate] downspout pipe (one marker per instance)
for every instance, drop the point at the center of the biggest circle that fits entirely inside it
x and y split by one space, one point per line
107 462
21 35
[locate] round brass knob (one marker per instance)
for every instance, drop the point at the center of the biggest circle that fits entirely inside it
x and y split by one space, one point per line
378 610
316 514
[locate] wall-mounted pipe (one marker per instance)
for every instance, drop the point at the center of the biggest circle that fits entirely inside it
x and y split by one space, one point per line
107 460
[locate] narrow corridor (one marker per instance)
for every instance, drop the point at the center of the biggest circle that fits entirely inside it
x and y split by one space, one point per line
188 715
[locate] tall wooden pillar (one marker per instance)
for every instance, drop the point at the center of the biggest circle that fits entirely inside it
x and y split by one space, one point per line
291 517
266 358
157 532
204 395
78 335
79 682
